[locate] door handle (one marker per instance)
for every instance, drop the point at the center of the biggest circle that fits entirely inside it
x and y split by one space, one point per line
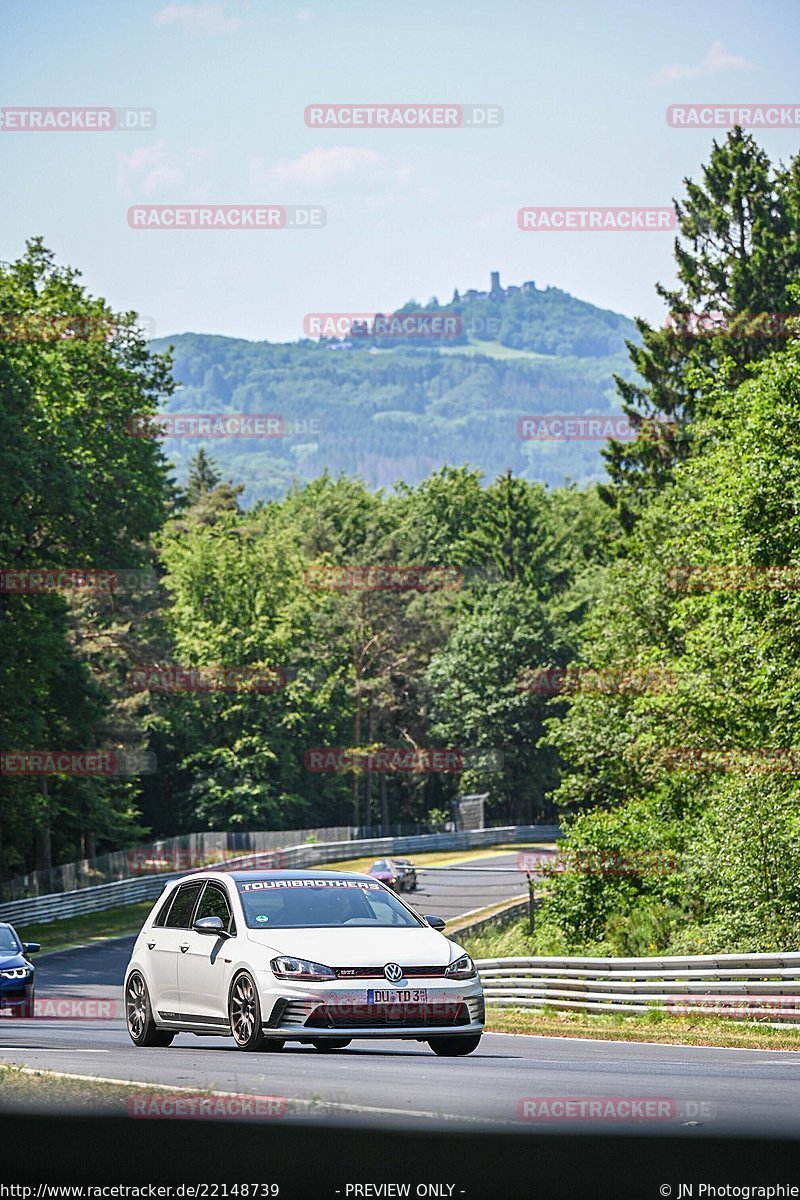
151 945
184 946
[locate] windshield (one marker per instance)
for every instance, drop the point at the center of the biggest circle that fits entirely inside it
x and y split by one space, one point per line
8 941
298 904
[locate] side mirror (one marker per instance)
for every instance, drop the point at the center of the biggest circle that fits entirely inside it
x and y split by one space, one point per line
435 922
212 925
31 947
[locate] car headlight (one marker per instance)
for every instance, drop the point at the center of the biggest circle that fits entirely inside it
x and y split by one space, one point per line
300 968
16 973
462 968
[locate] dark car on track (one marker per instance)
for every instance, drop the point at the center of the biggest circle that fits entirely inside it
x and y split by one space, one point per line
408 874
384 871
17 974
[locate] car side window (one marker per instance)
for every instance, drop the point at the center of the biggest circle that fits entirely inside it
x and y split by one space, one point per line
161 915
180 913
215 904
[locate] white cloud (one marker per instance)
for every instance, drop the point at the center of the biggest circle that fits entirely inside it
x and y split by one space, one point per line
304 15
155 170
715 60
198 20
329 165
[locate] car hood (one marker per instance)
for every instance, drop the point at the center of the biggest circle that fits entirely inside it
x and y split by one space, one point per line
359 947
9 961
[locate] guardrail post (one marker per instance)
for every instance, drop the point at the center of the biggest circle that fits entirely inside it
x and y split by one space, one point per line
531 906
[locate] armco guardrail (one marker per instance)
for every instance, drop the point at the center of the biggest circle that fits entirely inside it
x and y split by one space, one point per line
186 851
743 986
496 920
43 909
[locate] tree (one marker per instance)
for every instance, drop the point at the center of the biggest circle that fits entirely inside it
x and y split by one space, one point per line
728 645
77 491
479 703
737 254
203 477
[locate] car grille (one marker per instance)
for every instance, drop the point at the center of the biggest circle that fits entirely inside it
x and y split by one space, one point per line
477 1009
394 1016
292 1013
377 972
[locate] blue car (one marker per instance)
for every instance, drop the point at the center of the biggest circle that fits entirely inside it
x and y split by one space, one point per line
17 974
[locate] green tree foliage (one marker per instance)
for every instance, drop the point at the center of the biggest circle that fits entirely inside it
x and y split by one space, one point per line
737 257
664 852
730 650
203 477
76 491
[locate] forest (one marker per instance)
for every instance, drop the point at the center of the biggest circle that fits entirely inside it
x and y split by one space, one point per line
659 604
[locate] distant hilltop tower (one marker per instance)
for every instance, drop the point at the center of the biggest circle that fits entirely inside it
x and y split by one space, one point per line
495 292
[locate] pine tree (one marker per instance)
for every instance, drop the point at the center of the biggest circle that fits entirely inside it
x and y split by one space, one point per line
203 476
737 254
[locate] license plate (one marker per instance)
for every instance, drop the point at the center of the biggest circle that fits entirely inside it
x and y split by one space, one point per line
390 996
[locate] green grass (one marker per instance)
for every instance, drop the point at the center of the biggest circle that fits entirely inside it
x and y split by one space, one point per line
654 1026
93 927
512 942
40 1090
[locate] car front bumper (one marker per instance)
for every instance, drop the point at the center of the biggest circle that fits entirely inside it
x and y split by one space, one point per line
340 1010
15 993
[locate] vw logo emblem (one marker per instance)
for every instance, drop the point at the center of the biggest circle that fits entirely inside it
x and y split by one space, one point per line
393 973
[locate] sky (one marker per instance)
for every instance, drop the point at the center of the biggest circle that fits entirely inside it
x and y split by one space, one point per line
583 86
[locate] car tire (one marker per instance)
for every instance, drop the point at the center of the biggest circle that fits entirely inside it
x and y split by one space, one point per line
28 1009
326 1044
244 1014
142 1029
454 1047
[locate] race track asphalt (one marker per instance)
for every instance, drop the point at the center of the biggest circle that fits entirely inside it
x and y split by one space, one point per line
404 1083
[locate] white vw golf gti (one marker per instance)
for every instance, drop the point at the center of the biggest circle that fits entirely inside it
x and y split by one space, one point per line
303 956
